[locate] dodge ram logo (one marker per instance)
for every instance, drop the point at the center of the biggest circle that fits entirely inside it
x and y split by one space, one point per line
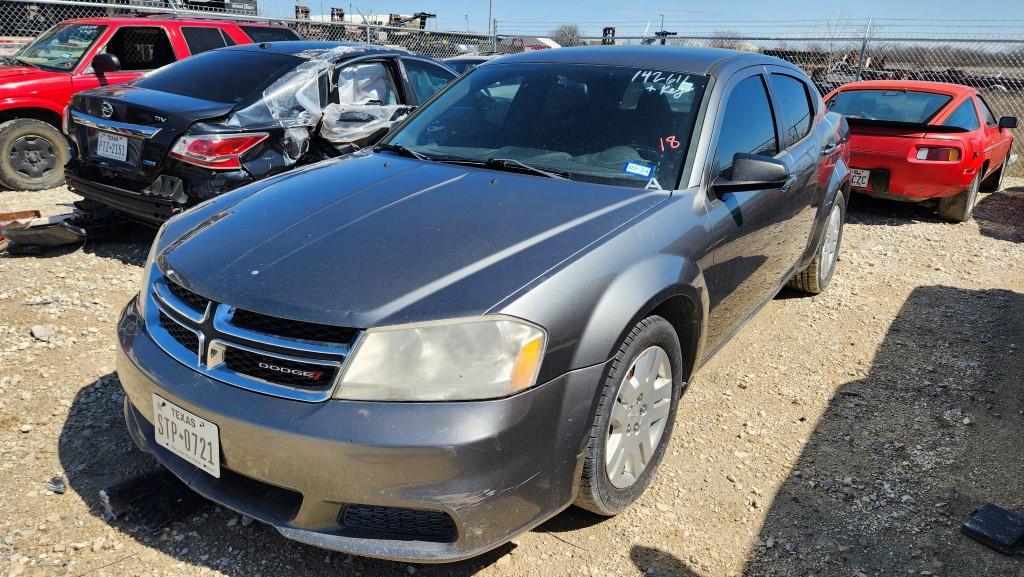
315 375
106 110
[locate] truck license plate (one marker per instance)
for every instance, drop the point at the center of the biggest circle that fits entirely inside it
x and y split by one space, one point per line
112 146
188 436
859 177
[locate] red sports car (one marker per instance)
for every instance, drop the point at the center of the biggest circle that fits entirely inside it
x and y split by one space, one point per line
915 141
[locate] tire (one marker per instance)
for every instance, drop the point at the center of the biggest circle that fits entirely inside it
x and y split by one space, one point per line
623 417
816 277
959 208
32 155
994 183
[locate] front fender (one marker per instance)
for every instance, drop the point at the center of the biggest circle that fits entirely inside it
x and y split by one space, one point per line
632 295
13 103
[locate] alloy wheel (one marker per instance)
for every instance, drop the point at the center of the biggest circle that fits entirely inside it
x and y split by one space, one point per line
639 415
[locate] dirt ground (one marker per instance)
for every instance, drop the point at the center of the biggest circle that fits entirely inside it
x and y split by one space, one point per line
848 434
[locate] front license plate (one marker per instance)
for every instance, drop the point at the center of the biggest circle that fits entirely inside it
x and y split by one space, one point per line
112 146
188 436
860 177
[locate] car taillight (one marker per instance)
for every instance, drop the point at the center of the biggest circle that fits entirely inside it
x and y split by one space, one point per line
942 154
221 151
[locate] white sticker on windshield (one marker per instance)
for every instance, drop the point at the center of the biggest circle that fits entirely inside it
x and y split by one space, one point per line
638 168
653 184
674 85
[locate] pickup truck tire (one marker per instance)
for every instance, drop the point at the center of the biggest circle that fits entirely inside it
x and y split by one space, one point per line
634 418
32 155
816 277
959 208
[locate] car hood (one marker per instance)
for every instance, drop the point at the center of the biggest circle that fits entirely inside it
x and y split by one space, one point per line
21 74
377 240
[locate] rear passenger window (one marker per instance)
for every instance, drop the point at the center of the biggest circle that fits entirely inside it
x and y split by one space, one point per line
796 107
366 83
141 48
201 39
748 125
965 116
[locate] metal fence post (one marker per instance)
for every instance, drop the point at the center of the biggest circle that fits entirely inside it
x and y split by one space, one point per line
863 51
494 35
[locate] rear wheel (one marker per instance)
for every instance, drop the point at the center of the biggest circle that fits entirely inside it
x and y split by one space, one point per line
959 208
32 155
634 418
816 277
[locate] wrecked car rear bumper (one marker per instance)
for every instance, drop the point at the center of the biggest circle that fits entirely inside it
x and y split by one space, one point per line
428 482
147 209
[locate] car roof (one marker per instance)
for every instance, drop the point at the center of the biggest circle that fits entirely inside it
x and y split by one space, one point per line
297 47
157 19
915 85
689 59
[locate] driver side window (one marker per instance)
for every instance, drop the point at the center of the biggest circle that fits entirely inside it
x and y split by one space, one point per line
748 125
141 48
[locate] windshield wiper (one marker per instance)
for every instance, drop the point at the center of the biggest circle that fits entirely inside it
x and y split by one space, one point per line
400 149
520 166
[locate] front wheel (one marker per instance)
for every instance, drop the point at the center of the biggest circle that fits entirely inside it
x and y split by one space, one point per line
634 418
816 277
32 155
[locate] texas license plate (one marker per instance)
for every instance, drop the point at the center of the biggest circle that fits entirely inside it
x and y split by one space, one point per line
112 146
860 177
188 436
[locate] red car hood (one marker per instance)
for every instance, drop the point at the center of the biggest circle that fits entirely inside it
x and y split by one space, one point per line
22 73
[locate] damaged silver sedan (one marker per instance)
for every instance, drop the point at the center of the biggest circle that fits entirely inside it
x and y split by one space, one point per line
187 132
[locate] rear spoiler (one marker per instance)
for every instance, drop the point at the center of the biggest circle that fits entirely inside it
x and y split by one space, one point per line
910 126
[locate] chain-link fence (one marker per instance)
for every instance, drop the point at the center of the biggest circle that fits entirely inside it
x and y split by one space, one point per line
846 53
995 66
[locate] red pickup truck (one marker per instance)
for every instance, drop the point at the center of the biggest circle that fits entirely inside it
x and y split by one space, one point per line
37 82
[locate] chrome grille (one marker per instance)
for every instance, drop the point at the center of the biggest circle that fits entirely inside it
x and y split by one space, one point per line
288 359
193 300
290 329
277 370
184 336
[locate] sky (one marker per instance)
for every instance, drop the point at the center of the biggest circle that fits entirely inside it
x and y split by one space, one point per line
706 16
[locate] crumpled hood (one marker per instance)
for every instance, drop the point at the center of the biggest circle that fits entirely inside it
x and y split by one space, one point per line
377 240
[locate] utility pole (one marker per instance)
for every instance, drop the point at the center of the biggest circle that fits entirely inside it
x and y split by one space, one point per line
863 51
662 21
490 15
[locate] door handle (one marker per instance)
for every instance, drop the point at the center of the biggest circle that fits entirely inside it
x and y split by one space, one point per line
828 149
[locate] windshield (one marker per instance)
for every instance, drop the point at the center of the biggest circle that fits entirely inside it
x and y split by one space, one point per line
462 65
891 105
228 76
61 47
606 124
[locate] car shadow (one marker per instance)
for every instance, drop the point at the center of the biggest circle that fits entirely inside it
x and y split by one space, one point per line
96 452
658 563
864 209
1000 215
901 457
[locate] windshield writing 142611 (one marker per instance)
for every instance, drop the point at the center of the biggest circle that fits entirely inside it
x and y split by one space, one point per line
674 85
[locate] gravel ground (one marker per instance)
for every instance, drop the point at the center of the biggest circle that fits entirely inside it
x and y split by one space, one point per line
848 434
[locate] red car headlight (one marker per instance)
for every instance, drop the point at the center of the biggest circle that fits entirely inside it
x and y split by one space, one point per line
938 154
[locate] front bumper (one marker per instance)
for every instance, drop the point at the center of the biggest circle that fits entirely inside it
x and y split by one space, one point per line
496 468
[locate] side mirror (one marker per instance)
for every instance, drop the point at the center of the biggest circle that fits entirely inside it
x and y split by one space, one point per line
104 63
1008 122
752 172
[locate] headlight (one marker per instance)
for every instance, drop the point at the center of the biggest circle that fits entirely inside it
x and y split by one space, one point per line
462 359
147 273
